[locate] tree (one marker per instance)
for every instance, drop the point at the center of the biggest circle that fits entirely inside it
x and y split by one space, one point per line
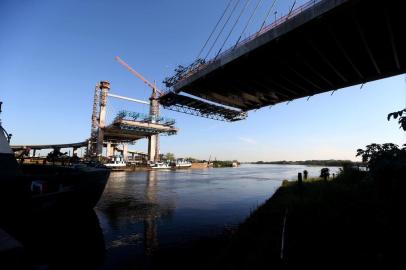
402 119
192 159
381 157
170 156
325 173
387 162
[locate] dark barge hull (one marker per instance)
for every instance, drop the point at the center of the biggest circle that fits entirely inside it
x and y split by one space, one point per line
79 187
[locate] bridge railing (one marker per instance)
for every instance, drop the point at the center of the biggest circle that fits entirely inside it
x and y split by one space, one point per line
293 13
135 116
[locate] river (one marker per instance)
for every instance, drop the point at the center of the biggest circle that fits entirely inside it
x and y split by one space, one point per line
140 212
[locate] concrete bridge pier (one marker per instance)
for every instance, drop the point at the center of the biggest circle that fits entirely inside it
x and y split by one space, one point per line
153 149
125 151
153 140
109 149
104 88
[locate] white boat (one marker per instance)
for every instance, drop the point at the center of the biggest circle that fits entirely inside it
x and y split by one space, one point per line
182 163
159 165
117 163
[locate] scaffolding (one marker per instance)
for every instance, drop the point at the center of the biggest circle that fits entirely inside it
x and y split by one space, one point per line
192 106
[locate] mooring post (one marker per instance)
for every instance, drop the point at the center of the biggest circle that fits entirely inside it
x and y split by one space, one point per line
299 179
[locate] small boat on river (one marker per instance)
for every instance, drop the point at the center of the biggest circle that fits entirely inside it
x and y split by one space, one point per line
181 163
159 165
117 163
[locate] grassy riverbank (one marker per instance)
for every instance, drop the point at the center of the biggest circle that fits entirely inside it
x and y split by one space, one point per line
350 222
326 163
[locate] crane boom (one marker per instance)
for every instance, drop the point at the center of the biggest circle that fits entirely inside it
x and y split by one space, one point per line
138 75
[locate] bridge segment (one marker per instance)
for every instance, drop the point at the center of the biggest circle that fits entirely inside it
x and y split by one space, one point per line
322 46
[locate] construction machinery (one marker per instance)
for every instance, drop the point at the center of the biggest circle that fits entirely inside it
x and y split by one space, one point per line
153 140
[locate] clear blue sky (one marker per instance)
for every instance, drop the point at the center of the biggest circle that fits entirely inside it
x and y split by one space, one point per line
52 53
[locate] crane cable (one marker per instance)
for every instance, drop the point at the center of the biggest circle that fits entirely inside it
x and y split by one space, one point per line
267 15
249 21
222 29
232 28
215 28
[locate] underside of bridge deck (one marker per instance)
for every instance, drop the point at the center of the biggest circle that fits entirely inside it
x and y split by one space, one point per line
129 131
334 44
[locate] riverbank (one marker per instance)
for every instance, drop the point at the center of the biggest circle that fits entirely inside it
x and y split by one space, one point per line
326 163
347 223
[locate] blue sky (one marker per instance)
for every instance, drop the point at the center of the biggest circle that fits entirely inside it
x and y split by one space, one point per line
52 53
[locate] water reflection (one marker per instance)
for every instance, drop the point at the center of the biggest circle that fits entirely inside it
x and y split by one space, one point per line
150 227
129 202
140 212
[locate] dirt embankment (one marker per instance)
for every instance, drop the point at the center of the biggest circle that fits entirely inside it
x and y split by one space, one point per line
199 165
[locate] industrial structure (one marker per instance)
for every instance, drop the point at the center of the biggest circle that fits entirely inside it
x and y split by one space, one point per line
127 127
321 46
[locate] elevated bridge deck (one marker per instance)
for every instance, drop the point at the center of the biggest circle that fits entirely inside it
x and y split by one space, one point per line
323 46
121 130
128 130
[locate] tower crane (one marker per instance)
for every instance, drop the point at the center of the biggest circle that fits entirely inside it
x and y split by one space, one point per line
153 140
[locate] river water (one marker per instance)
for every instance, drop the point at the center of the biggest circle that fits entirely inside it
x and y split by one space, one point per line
140 212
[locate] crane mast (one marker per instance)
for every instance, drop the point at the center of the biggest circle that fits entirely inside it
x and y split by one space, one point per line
153 140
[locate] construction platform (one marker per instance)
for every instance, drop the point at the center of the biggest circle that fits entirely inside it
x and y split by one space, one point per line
130 130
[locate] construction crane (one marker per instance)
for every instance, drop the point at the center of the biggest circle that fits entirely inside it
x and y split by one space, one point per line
139 76
153 140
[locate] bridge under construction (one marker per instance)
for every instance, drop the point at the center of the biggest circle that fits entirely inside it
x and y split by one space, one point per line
126 128
321 46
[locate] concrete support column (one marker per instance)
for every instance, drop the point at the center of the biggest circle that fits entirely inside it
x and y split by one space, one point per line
109 150
114 149
153 140
153 148
104 87
125 151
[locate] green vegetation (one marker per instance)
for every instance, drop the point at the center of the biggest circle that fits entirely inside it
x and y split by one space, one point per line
328 163
325 173
353 221
169 156
401 120
223 163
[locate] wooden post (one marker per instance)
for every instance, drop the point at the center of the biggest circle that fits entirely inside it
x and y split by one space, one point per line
299 179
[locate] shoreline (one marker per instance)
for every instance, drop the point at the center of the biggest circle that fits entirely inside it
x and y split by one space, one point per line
323 224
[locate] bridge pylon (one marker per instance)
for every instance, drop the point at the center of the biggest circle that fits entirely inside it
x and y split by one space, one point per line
95 147
153 140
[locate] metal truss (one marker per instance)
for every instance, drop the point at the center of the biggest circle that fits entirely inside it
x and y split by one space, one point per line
148 131
191 106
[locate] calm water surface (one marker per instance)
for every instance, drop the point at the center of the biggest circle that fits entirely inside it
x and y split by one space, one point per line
142 211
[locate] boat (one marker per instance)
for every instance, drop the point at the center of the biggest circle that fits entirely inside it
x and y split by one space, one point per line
33 188
117 163
181 163
159 165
